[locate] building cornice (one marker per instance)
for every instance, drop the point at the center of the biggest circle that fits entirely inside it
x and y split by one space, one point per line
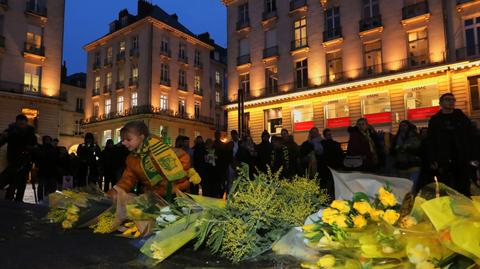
355 84
148 19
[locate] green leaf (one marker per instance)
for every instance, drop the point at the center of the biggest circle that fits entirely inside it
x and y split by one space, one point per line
360 197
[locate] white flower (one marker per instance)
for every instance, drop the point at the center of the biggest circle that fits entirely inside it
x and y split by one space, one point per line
169 218
165 210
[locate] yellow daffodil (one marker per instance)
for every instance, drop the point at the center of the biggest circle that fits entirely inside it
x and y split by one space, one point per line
418 254
341 206
408 221
66 224
376 214
391 216
362 207
359 221
341 221
326 261
328 215
387 198
309 227
72 217
72 209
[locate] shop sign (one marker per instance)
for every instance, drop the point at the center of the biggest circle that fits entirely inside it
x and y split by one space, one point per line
422 113
338 122
303 126
381 117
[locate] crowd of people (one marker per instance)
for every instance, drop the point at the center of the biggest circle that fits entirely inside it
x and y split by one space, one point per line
448 149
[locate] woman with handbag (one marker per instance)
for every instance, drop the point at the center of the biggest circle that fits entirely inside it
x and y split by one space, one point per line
363 148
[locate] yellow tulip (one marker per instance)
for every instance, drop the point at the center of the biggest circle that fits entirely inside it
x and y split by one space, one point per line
359 221
391 216
326 261
387 198
328 215
341 205
362 207
376 214
341 221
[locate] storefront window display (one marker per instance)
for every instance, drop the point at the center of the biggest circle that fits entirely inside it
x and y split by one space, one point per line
273 120
302 118
376 108
421 102
337 113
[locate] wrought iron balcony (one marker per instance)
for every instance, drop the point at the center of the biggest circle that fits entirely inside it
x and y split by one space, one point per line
183 59
198 92
165 82
415 10
96 92
198 64
166 52
121 56
468 52
120 84
267 15
108 62
182 86
298 44
34 49
296 4
370 23
270 52
133 81
134 52
243 24
331 34
107 89
244 59
96 66
35 8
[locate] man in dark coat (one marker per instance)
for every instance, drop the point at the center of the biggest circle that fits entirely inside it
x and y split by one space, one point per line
89 155
264 152
333 153
450 148
47 161
21 141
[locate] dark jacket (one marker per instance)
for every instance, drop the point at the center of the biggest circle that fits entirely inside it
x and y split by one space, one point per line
264 155
358 146
332 153
450 137
21 143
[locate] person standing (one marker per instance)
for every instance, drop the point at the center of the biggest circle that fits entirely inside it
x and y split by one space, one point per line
199 153
363 147
221 161
108 165
264 152
89 155
211 183
21 141
47 161
451 145
333 154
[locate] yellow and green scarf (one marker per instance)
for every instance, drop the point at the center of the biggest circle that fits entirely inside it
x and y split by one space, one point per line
155 154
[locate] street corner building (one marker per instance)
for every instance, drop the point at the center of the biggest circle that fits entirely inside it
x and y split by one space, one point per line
150 67
31 44
301 63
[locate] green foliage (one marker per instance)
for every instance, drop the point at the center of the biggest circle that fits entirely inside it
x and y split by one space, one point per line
259 211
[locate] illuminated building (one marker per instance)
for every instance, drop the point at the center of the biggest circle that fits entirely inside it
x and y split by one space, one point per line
31 38
303 64
150 67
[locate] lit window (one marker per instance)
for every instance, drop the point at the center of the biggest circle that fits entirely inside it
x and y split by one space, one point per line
163 102
217 97
273 120
418 48
197 110
120 105
97 83
197 83
301 74
303 118
300 32
217 78
31 78
181 106
96 109
134 99
107 134
337 113
118 137
421 102
108 106
373 57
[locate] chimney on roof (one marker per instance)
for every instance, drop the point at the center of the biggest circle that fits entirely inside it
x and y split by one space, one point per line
144 8
174 16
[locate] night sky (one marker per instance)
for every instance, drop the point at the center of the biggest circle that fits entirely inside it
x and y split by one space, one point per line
87 20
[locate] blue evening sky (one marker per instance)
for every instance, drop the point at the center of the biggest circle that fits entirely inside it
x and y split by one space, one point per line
87 20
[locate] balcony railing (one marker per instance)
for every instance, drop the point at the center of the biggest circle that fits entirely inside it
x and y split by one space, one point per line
296 4
415 10
183 59
34 49
96 66
198 64
121 56
120 85
165 82
166 52
107 89
27 89
298 44
198 91
35 8
243 24
182 86
370 23
96 92
146 109
468 52
267 15
403 65
134 52
331 34
244 59
270 52
108 62
133 81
